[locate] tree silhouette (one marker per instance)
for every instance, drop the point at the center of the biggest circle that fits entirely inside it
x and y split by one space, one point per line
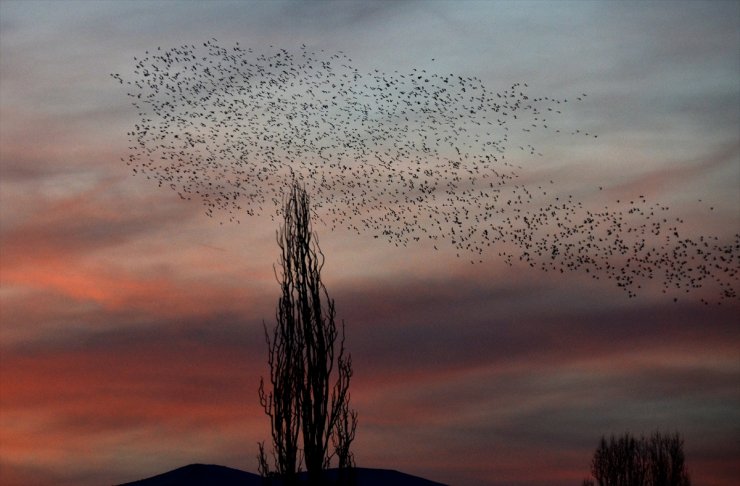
310 370
343 436
626 461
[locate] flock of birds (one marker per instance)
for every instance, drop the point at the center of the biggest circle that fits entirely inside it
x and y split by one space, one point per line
415 156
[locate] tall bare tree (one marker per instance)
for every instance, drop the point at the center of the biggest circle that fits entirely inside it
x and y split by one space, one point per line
310 370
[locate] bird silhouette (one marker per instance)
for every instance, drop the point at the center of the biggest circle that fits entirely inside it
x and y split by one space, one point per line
406 157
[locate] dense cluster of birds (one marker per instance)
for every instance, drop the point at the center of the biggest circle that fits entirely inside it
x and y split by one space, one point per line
404 156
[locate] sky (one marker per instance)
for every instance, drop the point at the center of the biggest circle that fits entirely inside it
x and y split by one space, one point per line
131 337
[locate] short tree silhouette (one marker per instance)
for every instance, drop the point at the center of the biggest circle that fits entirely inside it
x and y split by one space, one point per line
306 353
626 461
344 434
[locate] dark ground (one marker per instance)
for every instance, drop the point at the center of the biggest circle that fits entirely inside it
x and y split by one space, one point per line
213 475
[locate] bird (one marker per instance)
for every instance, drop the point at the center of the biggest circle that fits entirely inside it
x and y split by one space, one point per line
408 157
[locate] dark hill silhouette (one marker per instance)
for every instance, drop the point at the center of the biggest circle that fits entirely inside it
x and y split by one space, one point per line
213 475
201 475
371 477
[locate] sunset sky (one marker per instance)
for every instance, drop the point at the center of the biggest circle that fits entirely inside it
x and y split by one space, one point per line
131 338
